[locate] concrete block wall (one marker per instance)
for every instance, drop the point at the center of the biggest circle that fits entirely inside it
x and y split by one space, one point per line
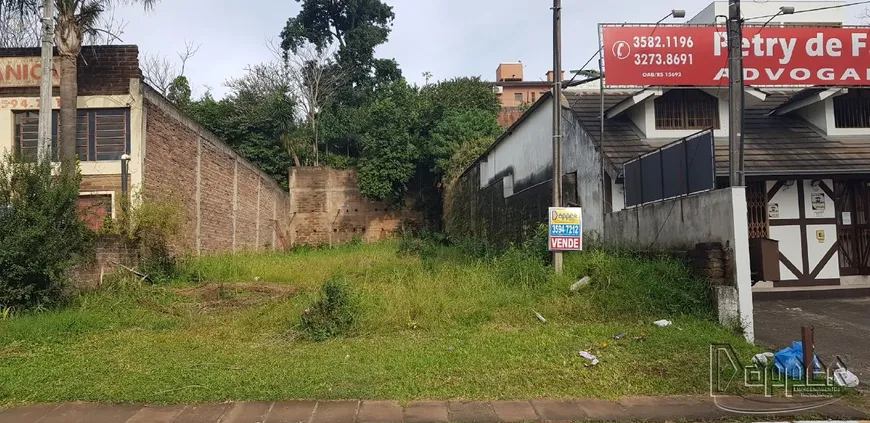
228 204
110 250
326 207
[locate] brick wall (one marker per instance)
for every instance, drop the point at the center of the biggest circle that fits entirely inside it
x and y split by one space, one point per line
228 204
111 250
102 70
326 207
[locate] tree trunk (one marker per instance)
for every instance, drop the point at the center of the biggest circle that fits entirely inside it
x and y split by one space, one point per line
68 108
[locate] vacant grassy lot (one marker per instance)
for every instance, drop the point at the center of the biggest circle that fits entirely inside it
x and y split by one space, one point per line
444 325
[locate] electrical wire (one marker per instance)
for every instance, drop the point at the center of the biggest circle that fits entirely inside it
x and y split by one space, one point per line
817 9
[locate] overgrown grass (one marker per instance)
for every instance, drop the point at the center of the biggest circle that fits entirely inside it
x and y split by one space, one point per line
441 326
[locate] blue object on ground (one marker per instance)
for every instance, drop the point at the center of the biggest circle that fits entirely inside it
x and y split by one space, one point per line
789 361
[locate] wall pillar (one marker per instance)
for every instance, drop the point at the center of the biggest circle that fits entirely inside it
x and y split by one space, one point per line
742 273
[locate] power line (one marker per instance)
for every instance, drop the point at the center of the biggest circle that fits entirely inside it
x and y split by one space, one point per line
817 9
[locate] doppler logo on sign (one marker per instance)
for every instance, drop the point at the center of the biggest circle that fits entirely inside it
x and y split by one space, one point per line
566 229
698 56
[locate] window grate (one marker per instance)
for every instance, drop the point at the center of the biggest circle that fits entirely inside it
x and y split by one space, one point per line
101 134
852 110
686 109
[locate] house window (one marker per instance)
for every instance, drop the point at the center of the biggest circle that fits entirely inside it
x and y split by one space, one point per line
101 134
852 110
518 97
686 109
26 134
533 96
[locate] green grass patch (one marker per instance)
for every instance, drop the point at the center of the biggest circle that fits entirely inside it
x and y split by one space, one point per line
444 326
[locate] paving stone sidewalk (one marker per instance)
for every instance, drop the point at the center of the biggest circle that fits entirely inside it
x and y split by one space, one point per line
627 409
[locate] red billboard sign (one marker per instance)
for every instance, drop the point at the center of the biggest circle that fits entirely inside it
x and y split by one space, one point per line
698 55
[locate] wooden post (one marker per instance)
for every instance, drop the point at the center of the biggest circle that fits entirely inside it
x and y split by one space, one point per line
809 351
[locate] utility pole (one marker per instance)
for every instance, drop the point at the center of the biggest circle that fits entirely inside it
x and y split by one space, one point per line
557 118
735 93
43 149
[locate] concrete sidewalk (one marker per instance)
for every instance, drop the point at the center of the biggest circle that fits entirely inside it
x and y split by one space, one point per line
627 409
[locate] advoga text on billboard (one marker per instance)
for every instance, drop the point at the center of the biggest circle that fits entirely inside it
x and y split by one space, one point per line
698 55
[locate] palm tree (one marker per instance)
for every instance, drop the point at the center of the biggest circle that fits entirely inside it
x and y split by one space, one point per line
74 20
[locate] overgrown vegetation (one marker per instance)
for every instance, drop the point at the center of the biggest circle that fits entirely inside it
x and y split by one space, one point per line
153 227
331 315
41 233
433 322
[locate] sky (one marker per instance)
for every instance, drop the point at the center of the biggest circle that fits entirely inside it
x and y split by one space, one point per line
448 38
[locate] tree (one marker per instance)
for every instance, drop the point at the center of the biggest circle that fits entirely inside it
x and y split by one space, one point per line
456 128
19 29
255 118
314 80
427 76
161 73
357 27
75 20
390 152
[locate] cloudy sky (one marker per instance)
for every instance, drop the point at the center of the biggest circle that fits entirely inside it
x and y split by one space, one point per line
445 37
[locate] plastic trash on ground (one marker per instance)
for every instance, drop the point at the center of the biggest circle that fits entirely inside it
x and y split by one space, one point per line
580 284
663 323
843 377
789 361
541 318
619 335
587 355
762 359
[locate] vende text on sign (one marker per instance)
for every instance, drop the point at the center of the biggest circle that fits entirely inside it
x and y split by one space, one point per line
25 72
698 56
566 228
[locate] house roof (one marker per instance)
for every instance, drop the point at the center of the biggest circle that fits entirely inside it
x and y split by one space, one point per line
774 145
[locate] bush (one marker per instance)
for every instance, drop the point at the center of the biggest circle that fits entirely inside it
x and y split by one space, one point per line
41 233
519 266
626 286
331 315
154 226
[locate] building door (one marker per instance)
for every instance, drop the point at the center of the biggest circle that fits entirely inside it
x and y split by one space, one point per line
853 226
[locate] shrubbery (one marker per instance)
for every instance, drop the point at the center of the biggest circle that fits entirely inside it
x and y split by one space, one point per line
41 233
331 315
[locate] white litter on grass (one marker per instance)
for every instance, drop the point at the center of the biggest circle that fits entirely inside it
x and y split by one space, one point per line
589 356
843 377
662 323
541 318
580 284
762 359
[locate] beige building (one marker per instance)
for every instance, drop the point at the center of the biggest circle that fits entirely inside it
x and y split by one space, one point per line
514 93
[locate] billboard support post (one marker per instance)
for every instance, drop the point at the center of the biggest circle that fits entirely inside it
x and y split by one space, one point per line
735 94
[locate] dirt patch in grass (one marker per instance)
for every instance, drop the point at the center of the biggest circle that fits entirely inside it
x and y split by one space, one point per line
237 295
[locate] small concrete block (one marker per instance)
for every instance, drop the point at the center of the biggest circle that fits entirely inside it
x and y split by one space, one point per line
247 412
426 412
68 413
27 414
335 412
602 410
291 412
471 411
203 413
559 410
514 411
379 412
150 414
